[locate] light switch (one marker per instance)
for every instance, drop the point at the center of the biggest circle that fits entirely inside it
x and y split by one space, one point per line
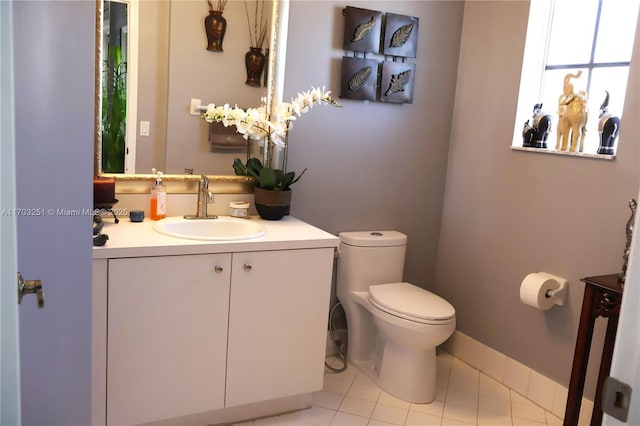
144 128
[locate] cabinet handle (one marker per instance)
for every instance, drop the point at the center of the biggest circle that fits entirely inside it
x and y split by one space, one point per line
218 269
247 267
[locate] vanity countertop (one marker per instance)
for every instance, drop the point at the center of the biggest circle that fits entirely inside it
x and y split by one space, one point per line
129 239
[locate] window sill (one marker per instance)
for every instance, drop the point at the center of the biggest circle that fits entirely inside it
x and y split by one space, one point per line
571 154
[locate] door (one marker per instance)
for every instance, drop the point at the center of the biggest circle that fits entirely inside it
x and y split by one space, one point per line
53 47
626 356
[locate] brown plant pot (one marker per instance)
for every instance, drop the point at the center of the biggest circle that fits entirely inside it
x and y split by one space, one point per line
272 205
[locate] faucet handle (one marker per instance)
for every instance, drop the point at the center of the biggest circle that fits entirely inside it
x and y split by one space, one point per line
204 187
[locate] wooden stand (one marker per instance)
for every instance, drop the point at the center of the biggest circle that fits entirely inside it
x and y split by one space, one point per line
602 297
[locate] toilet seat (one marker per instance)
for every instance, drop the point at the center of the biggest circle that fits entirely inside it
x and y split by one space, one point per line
412 303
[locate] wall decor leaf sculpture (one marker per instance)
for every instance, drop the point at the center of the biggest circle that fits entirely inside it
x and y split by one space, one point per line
386 34
362 31
398 82
359 79
401 35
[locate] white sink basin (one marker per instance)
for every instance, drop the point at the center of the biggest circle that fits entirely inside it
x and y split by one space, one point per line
220 229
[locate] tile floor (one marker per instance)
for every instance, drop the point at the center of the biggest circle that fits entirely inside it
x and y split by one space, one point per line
464 396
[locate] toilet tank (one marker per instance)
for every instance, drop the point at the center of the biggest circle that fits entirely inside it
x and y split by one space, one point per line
368 258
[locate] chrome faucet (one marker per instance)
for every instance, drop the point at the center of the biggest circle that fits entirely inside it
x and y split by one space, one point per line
205 196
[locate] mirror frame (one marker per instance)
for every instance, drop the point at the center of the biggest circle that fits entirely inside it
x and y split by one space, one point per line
221 184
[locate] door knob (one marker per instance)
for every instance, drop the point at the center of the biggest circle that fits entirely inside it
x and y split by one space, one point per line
218 269
247 267
30 287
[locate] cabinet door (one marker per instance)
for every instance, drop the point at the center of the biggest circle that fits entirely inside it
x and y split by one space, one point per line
167 332
277 323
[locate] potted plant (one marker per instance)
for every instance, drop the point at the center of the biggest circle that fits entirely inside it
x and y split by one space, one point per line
271 183
272 191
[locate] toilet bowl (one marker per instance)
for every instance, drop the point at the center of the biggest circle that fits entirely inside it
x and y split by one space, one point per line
394 326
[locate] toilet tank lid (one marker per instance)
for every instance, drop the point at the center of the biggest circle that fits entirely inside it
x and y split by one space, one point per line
373 238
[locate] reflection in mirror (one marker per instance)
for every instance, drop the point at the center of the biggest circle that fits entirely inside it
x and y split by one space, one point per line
119 69
174 67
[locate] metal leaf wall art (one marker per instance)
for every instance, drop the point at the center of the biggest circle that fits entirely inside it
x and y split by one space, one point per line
398 82
360 78
369 31
363 30
401 35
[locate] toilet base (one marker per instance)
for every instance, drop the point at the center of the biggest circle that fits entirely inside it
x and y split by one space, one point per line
407 375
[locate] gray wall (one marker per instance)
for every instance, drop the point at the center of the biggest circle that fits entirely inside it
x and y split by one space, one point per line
505 214
509 213
373 165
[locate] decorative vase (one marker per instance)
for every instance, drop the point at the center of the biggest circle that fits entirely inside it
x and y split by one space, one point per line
254 61
272 205
215 26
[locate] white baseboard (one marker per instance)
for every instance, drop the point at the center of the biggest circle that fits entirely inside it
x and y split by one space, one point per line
529 383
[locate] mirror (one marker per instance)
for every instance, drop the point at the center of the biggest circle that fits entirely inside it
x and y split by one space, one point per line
175 67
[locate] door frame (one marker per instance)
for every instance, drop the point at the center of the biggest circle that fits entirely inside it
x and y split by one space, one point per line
9 352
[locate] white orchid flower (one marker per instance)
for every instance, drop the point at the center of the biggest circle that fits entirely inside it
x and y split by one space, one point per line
253 123
285 112
233 116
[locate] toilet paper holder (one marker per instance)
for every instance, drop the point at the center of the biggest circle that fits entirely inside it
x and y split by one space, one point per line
559 294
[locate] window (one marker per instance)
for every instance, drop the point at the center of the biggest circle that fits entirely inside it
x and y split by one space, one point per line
592 40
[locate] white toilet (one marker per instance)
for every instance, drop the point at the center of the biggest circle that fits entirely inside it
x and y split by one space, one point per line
394 327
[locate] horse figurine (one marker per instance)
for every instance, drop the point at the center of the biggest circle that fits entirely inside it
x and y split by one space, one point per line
573 115
608 128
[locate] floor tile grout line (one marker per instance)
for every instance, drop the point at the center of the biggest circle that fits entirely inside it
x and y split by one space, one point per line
448 375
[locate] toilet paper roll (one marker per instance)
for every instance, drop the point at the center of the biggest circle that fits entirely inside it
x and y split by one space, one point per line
535 288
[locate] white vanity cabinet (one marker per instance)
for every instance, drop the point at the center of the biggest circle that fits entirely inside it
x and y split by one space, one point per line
277 323
208 333
166 336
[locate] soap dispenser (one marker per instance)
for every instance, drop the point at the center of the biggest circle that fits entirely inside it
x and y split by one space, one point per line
158 208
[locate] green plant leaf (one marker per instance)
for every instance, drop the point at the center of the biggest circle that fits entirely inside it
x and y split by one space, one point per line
239 168
114 112
267 178
299 176
279 177
254 166
289 179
